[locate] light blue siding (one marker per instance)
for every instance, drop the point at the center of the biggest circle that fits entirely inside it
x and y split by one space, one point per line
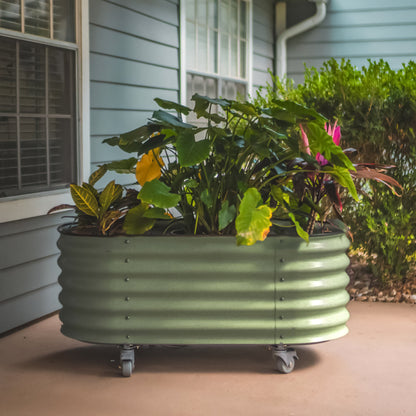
358 30
28 270
134 57
263 41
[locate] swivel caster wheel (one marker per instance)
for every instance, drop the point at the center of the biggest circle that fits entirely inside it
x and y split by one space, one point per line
284 368
127 360
284 359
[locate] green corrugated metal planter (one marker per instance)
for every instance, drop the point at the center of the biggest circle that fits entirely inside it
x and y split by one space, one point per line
203 290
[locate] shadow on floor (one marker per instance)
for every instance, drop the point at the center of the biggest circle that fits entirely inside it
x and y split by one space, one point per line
103 360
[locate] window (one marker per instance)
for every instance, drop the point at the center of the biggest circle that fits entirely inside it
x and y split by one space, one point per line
217 38
38 95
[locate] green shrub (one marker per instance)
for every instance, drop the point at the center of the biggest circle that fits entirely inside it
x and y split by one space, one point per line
376 108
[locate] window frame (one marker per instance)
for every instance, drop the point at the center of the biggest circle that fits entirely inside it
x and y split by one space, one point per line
30 205
183 66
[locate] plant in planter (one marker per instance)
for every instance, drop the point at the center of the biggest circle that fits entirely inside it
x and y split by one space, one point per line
249 173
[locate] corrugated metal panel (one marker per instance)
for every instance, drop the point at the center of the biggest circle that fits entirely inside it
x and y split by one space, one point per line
206 290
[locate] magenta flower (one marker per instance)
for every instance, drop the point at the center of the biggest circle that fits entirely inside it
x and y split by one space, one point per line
335 133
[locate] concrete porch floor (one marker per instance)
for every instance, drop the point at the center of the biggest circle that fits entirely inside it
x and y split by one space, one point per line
371 371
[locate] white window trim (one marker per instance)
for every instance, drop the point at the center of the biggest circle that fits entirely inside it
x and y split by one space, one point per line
34 205
182 62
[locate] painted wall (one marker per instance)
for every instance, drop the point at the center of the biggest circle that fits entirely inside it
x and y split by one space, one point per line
28 270
263 41
134 58
355 29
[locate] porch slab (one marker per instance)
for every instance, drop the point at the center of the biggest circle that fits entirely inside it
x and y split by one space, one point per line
371 371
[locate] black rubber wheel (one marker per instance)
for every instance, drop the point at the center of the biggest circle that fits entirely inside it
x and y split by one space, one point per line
126 368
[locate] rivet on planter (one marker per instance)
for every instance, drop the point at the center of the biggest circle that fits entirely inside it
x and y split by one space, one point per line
127 336
127 298
282 279
282 260
281 337
126 279
126 260
127 241
282 298
127 318
281 317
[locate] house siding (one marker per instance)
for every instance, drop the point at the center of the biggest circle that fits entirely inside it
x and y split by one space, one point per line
358 30
28 270
134 52
263 42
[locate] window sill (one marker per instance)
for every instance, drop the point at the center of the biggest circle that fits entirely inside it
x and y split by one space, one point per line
30 206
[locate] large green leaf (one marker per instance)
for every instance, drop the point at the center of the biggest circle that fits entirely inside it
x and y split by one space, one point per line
157 213
343 177
158 194
299 111
191 152
169 120
135 221
85 200
110 194
253 221
207 199
202 103
320 141
301 232
170 105
131 141
122 166
226 215
245 108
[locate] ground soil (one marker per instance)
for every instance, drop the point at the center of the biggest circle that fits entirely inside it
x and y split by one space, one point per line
366 287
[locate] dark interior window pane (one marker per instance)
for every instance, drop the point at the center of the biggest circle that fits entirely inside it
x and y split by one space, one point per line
37 17
64 20
61 151
7 75
32 78
61 74
33 151
10 14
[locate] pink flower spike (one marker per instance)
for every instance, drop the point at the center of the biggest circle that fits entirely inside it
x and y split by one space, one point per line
321 160
334 132
305 140
336 136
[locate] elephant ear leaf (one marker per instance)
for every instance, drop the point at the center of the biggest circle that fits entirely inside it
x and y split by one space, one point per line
190 151
85 200
226 215
253 221
136 222
158 194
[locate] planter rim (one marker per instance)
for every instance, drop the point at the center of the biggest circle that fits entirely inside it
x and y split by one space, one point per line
65 230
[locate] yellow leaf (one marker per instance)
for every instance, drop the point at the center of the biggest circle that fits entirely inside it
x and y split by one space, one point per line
149 167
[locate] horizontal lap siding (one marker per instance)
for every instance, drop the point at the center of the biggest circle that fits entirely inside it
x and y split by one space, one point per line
263 42
134 56
357 30
28 270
